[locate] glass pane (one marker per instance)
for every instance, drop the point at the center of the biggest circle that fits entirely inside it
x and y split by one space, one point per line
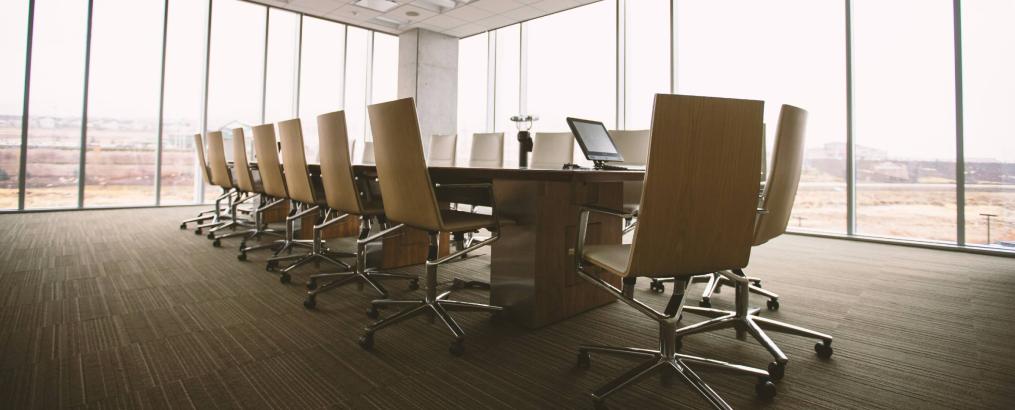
235 70
13 40
647 69
506 94
472 72
54 128
283 57
321 73
357 54
573 74
988 57
123 102
181 116
764 51
383 78
904 114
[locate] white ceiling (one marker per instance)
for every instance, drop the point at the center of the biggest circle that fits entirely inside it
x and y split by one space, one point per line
466 19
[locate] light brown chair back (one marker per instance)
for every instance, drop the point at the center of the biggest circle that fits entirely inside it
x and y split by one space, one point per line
266 154
405 182
336 169
552 150
781 187
442 150
701 187
368 153
217 158
633 145
487 150
297 178
244 181
199 148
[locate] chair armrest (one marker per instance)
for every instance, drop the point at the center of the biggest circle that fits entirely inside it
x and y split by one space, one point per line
478 185
607 211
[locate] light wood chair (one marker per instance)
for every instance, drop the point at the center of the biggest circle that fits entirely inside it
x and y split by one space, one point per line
442 150
221 177
303 200
368 153
214 215
410 200
252 191
633 146
551 150
774 214
272 183
697 214
347 196
487 150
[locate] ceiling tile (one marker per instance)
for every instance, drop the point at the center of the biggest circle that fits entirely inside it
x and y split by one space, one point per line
401 14
493 22
466 30
350 12
469 13
551 6
444 22
497 6
523 13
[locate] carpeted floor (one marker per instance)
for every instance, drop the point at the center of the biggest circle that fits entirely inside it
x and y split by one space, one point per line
122 309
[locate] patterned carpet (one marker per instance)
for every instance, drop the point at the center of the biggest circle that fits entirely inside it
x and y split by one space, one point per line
120 309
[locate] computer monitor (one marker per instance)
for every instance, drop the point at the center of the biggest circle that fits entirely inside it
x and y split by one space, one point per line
595 141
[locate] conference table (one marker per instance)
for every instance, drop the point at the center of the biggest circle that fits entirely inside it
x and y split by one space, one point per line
531 266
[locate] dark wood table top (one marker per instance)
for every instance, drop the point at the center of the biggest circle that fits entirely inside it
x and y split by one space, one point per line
529 174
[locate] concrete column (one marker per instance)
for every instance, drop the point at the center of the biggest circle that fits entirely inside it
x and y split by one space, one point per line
428 71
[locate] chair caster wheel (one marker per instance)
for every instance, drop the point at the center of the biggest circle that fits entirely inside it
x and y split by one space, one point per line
757 284
217 243
210 235
773 304
414 284
310 303
311 284
241 257
765 389
824 349
776 370
271 266
284 279
183 226
705 303
367 341
457 348
584 359
197 231
657 287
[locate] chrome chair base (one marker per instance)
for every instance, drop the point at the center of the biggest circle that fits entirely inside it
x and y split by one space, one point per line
745 320
437 305
714 283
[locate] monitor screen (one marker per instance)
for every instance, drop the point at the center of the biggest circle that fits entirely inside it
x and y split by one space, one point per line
594 140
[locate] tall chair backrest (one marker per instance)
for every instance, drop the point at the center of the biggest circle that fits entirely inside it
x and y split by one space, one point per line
633 145
266 154
442 150
336 168
781 186
701 187
244 180
487 150
199 148
405 183
552 150
368 153
297 177
217 160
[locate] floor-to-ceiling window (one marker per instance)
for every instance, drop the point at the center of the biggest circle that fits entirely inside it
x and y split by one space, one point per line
322 73
383 78
904 118
507 95
13 42
281 65
123 102
183 100
647 59
55 103
764 51
988 64
357 57
473 56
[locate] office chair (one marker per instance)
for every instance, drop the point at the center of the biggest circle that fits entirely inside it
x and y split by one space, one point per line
368 153
410 200
487 150
212 214
220 177
347 196
252 190
633 146
304 200
551 150
272 184
442 150
773 216
701 147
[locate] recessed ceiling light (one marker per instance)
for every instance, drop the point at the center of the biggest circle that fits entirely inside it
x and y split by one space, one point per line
378 5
